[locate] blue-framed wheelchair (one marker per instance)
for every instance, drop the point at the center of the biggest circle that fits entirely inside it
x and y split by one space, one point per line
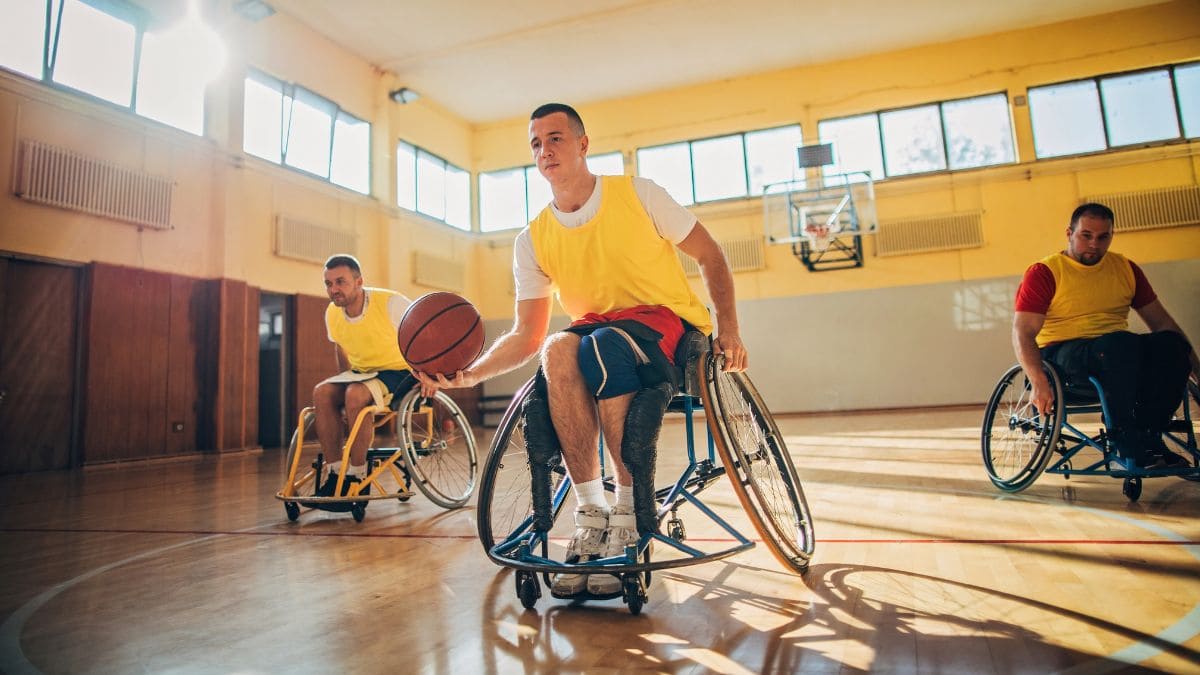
520 530
1021 443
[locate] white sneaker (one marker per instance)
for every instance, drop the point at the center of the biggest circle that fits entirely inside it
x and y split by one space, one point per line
622 532
587 544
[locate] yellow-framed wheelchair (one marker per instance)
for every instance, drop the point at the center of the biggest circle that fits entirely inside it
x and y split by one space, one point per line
1020 443
434 451
743 443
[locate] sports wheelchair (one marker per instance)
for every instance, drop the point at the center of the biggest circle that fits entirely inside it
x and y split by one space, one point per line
1020 442
435 451
519 505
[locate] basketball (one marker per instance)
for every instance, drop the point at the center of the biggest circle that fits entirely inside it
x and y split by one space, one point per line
440 333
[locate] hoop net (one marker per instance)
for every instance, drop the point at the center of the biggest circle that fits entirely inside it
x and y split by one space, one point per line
819 236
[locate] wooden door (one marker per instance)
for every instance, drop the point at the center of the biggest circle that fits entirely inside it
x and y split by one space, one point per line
39 312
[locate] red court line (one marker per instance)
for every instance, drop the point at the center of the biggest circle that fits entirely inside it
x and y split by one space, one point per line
397 535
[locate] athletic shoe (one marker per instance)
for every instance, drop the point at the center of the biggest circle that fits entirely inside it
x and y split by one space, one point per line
622 532
1156 451
587 544
330 484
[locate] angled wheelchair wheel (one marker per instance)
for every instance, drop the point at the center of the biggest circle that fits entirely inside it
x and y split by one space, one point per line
505 500
304 444
439 448
1017 439
758 464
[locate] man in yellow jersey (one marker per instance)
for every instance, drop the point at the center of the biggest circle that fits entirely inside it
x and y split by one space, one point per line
1072 310
606 247
361 322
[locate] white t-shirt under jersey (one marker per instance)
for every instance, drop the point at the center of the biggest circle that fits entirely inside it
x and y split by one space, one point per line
673 222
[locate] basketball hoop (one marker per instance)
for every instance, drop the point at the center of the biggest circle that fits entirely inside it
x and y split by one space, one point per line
819 236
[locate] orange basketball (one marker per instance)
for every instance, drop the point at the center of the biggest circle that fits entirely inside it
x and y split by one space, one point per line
440 333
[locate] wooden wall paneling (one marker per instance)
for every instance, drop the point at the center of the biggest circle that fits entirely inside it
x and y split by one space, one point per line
156 374
104 429
39 309
312 354
250 374
205 317
237 406
182 379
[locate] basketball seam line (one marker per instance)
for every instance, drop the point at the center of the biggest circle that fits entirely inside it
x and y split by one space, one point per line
426 325
451 347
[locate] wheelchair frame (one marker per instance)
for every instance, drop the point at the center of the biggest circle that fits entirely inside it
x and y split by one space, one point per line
406 464
521 546
1054 445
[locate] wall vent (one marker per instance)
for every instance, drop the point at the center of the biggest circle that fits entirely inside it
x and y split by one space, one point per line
309 242
47 174
744 255
930 233
1152 209
437 272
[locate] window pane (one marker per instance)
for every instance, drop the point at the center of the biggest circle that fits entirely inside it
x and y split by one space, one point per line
1187 84
912 140
22 34
1139 108
608 164
719 168
458 197
855 145
406 176
95 53
170 84
351 164
262 127
671 167
308 134
537 191
1066 119
431 185
772 156
502 200
979 131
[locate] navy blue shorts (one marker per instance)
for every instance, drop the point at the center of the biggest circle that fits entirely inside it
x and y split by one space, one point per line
609 363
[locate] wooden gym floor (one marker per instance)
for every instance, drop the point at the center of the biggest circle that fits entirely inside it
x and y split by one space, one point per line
921 566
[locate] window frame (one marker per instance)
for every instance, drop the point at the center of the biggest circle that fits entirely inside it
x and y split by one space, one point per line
525 170
417 152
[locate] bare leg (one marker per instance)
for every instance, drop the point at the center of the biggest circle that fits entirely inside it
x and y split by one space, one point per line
357 398
612 420
328 400
572 408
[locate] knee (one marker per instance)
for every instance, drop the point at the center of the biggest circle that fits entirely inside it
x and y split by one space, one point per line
560 355
608 364
357 398
326 396
1169 342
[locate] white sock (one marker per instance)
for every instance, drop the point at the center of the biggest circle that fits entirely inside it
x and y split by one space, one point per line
624 495
333 468
591 493
358 470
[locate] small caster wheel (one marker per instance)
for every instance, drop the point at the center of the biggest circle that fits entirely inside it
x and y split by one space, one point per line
404 498
359 511
292 509
676 530
634 595
1132 488
527 589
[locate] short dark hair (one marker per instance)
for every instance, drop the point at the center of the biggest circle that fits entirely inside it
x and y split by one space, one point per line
1091 209
344 260
573 117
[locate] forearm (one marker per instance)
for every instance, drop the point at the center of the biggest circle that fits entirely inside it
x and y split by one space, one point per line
719 282
509 352
1030 357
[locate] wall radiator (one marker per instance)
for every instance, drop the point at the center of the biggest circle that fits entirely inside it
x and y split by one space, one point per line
47 174
437 272
930 233
301 240
1152 209
744 255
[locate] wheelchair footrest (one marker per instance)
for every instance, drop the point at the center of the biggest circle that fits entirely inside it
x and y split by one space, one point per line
584 595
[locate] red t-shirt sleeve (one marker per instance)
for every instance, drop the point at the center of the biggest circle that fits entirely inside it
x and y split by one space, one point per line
1036 290
1143 292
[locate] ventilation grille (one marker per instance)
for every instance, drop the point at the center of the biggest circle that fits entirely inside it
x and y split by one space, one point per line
59 177
931 233
436 272
744 255
312 243
1151 209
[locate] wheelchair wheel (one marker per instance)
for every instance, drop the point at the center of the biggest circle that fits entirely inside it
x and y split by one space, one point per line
304 445
1017 441
758 464
439 448
505 500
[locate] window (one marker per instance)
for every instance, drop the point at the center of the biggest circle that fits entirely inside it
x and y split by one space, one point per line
22 36
1112 111
287 124
430 185
102 48
724 167
512 197
959 134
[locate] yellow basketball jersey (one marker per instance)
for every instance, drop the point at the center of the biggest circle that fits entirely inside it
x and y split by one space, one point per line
369 343
1089 300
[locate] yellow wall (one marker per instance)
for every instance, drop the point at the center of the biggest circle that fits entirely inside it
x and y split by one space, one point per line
1025 206
226 203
